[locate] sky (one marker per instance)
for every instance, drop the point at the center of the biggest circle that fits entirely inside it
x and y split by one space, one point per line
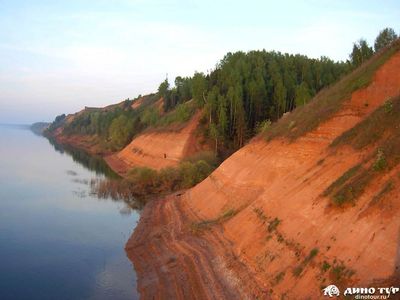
59 56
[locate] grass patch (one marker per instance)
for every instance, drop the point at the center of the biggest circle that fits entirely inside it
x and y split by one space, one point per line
328 101
340 273
387 187
145 183
197 227
371 129
181 114
349 192
325 266
279 277
260 214
299 269
273 224
313 253
380 163
380 129
342 179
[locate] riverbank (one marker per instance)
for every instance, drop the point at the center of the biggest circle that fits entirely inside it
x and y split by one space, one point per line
156 149
167 249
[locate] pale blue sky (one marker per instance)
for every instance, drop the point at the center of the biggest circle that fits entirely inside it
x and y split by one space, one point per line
58 56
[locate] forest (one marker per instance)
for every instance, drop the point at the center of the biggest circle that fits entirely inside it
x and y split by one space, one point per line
241 96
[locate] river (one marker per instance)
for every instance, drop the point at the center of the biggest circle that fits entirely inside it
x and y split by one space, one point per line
57 240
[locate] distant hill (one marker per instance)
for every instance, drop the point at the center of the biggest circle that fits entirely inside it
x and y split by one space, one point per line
39 127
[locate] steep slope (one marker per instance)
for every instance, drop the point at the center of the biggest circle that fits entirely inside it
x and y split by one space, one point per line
158 149
163 141
263 224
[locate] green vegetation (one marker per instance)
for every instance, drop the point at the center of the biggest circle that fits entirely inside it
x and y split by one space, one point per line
245 90
299 269
120 131
378 129
350 191
58 121
273 224
387 187
342 179
380 162
329 101
181 113
371 129
260 214
325 266
114 126
144 183
361 53
197 227
385 38
339 273
279 277
241 97
312 254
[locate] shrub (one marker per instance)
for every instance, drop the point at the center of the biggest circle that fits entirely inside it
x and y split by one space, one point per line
279 277
325 266
207 156
263 126
380 162
342 179
182 113
143 176
150 116
297 271
273 224
388 105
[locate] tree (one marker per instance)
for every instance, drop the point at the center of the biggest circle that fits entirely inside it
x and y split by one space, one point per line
163 88
302 94
199 87
385 38
214 134
120 131
361 52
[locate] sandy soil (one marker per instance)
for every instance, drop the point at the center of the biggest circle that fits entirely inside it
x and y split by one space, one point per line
157 149
241 257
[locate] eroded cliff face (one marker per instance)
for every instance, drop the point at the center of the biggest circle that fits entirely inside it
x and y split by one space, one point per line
159 149
259 226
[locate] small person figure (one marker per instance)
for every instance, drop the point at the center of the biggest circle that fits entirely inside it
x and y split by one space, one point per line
165 155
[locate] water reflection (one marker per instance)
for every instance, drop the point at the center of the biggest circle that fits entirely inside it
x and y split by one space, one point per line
110 187
58 241
91 162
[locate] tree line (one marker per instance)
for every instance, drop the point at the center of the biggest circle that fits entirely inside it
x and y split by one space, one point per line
242 95
247 91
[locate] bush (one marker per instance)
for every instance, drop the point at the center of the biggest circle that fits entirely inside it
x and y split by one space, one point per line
388 105
273 224
182 113
263 126
380 162
207 156
150 116
144 177
325 266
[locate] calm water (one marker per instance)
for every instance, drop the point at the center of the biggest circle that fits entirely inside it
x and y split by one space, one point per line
56 240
